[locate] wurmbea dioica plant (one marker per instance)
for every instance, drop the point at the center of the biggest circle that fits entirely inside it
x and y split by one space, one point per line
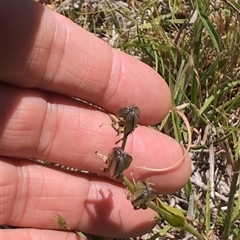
142 194
125 122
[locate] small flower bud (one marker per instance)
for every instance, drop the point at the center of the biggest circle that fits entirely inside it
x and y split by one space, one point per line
130 115
143 194
117 161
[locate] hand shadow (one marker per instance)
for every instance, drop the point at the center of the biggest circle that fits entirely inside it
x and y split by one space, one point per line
99 211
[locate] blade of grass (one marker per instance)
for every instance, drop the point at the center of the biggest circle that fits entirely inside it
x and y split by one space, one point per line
228 219
195 63
207 24
208 212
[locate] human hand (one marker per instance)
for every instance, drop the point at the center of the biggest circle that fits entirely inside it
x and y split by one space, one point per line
45 61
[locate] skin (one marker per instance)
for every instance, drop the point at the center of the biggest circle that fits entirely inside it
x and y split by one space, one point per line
45 61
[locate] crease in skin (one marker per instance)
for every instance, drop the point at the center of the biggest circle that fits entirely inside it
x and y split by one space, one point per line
86 58
46 150
33 62
114 74
48 75
62 54
5 199
22 193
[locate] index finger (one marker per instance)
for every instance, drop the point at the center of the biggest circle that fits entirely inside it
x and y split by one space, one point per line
49 52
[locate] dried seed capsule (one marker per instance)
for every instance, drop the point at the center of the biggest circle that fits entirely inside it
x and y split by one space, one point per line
117 161
127 120
130 115
143 194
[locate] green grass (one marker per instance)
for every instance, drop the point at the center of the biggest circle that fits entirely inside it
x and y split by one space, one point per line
195 46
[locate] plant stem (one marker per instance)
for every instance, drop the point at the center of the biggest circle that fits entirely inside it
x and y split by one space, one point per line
187 227
228 220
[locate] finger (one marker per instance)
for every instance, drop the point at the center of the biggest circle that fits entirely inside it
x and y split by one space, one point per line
54 54
37 234
35 196
61 130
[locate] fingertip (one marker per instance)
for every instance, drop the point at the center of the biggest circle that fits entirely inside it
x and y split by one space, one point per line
159 158
132 82
172 181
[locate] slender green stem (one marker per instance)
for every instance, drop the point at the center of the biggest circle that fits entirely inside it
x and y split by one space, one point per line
191 230
187 227
228 220
160 211
127 183
124 141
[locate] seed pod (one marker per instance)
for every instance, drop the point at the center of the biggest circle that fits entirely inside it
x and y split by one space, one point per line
143 194
117 161
130 115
